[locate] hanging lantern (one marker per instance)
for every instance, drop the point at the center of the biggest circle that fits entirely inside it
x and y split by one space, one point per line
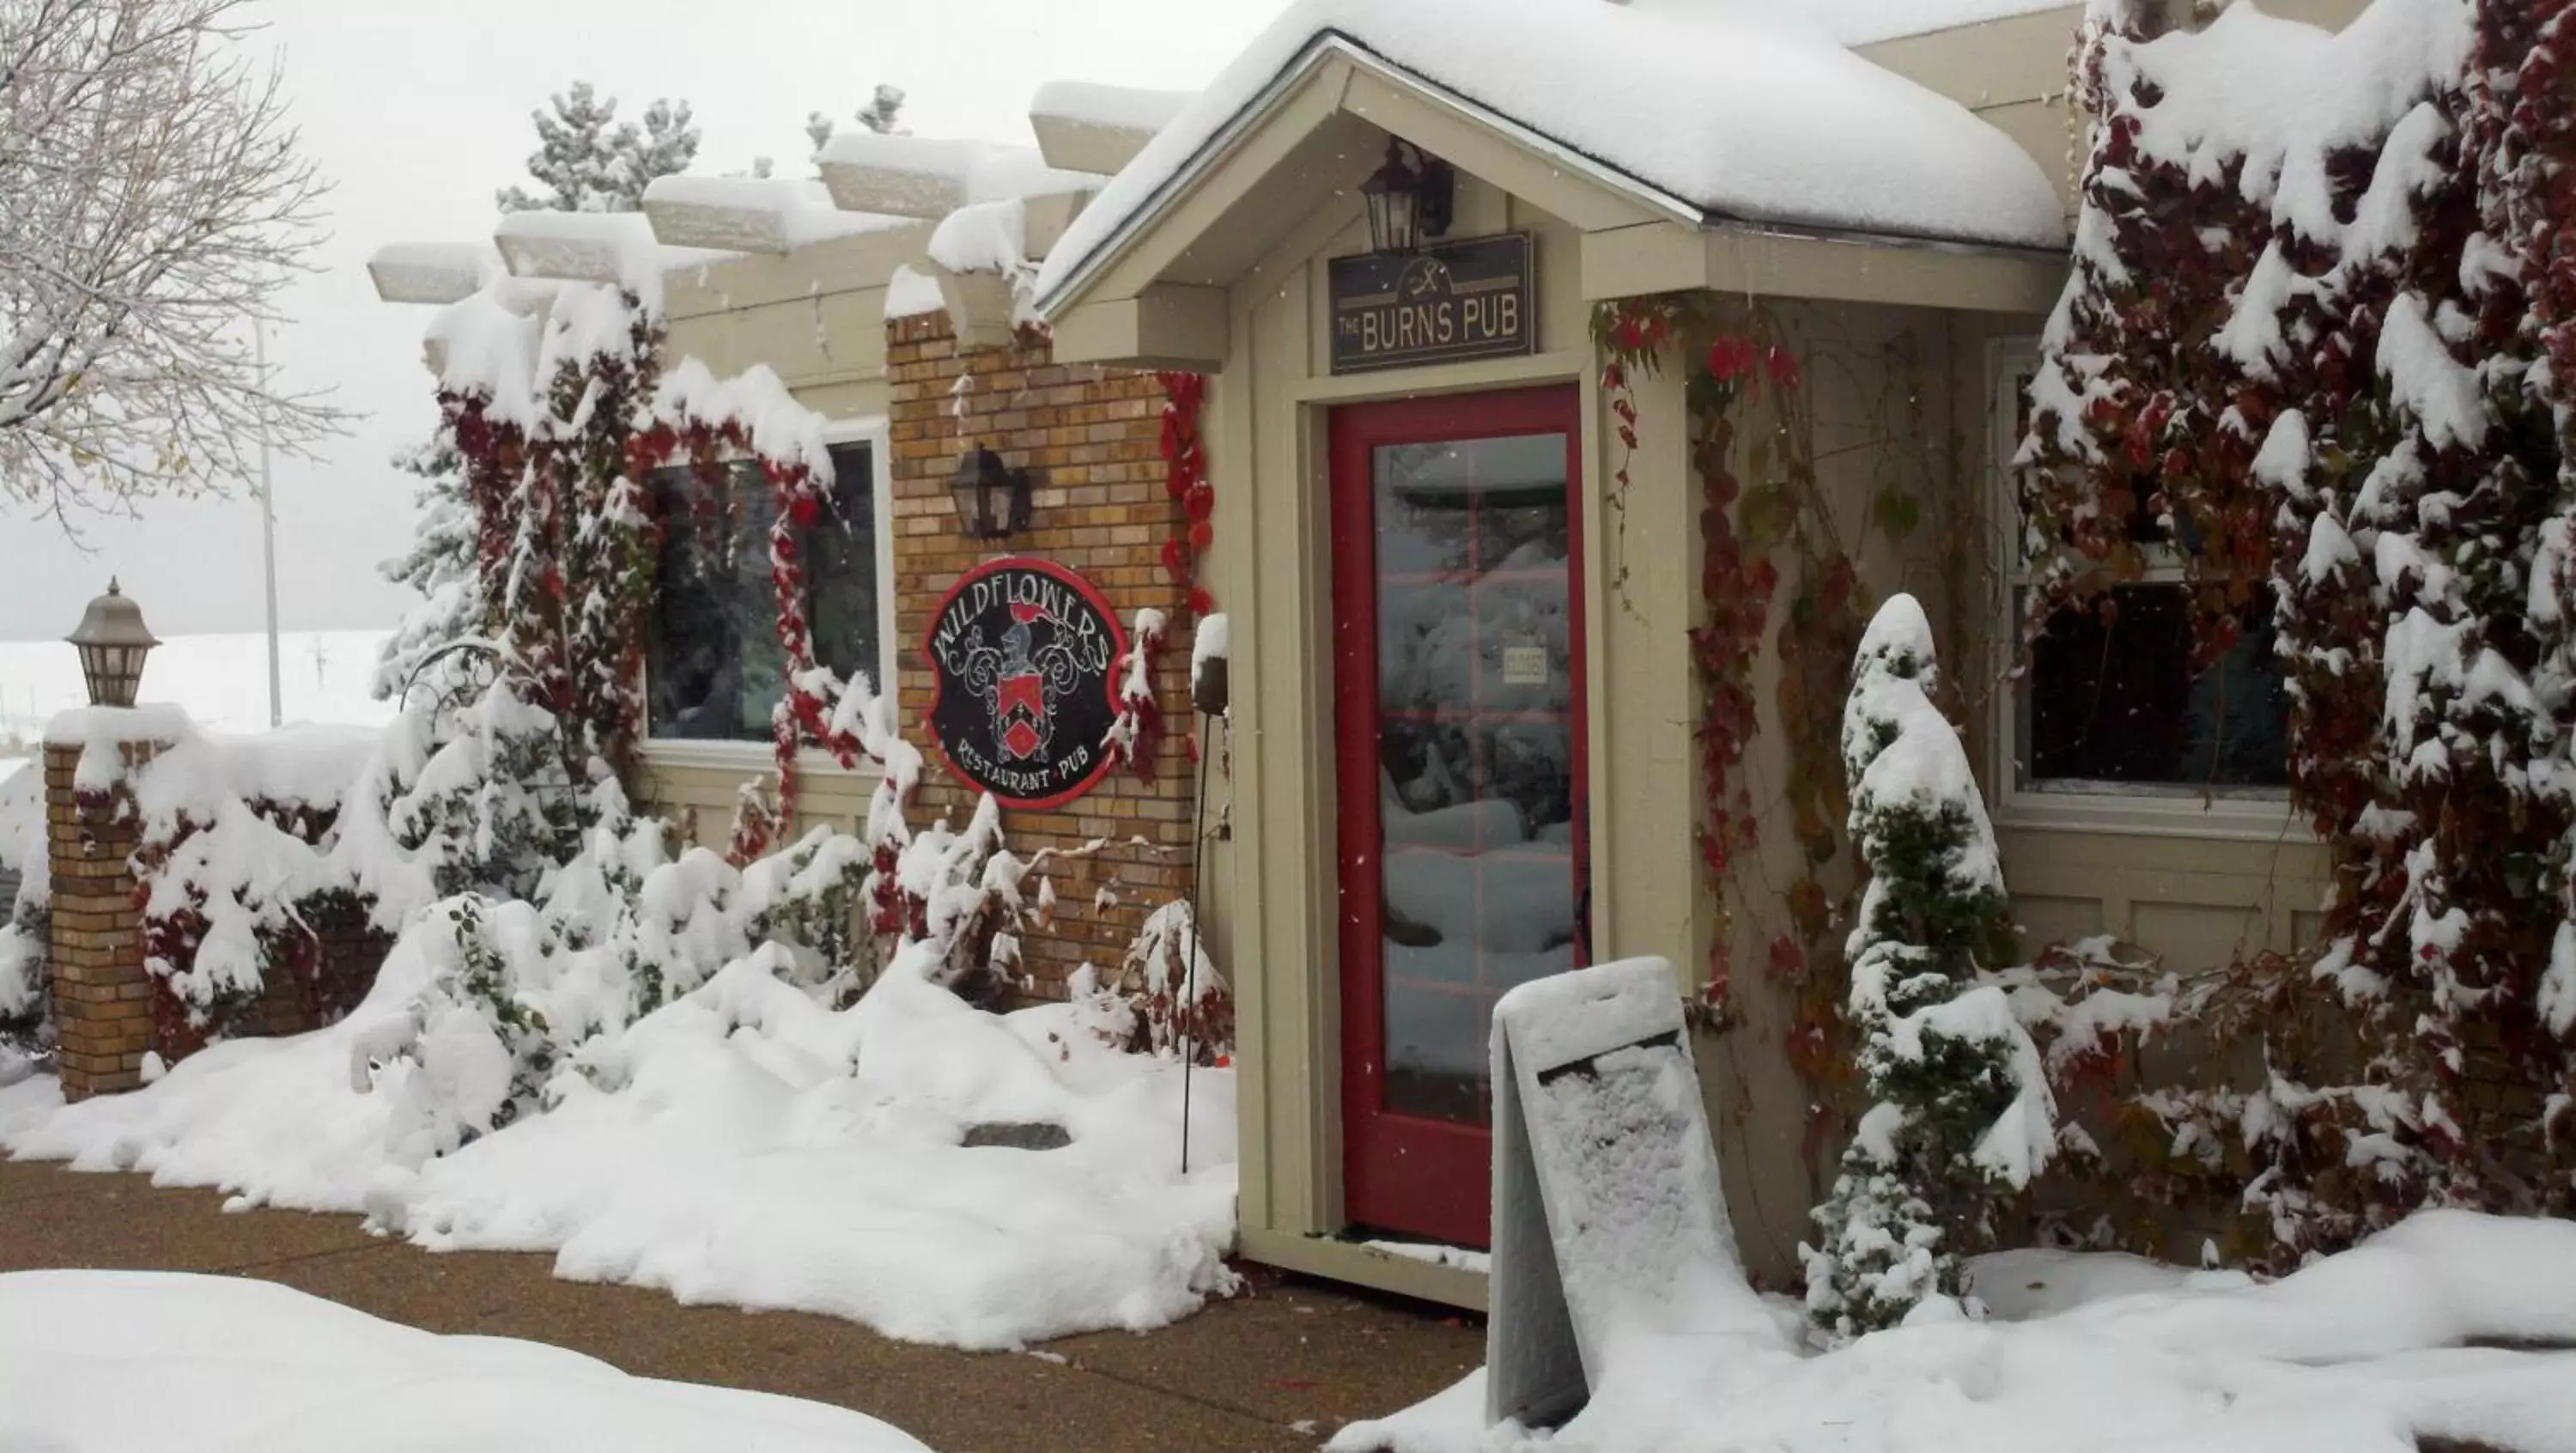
112 643
992 498
1410 198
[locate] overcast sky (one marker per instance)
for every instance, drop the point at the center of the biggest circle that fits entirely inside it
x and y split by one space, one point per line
418 109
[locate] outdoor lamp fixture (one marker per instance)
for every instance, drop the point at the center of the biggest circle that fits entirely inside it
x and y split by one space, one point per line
112 644
992 498
1409 198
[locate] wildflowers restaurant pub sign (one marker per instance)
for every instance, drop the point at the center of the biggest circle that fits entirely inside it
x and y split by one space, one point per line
1020 654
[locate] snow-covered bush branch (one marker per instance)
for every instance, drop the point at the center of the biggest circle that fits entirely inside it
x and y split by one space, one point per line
1167 995
1139 725
156 204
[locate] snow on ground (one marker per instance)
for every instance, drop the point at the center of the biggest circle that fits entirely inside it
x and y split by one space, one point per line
222 680
1464 1258
760 1151
92 1361
2361 1353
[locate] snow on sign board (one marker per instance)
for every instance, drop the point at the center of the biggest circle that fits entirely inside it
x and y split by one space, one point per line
1608 1220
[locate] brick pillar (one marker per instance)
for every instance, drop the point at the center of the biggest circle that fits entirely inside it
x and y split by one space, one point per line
102 996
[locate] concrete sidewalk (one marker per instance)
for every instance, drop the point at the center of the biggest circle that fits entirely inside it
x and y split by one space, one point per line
1273 1371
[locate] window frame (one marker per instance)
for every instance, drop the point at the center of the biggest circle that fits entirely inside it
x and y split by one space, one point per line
2148 809
875 431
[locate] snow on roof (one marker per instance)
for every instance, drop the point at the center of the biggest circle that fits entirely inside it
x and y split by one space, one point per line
1127 108
1866 22
1093 128
603 247
431 272
911 293
484 345
752 214
985 237
921 176
1722 107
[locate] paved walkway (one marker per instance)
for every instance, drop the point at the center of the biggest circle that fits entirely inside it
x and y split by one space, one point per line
1245 1374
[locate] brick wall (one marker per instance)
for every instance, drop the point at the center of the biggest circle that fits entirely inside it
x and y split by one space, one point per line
351 951
1091 438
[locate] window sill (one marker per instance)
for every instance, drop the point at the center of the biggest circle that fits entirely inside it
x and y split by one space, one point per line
749 758
2155 815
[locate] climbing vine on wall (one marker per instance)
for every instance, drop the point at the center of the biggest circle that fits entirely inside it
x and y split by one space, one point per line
2336 379
1776 572
1185 480
715 425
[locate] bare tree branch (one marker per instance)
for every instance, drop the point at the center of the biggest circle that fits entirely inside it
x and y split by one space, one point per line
156 203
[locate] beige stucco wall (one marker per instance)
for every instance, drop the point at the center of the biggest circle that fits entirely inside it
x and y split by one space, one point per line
1878 384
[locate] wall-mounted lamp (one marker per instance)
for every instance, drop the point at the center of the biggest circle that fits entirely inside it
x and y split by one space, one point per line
1410 198
992 498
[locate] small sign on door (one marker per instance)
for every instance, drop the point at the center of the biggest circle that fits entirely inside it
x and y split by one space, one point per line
1524 662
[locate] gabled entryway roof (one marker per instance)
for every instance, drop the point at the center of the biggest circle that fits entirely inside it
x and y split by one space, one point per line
1677 122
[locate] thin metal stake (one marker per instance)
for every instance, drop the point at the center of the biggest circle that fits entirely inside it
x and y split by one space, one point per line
1190 961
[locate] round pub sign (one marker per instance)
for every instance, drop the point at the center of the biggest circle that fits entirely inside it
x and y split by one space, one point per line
1020 655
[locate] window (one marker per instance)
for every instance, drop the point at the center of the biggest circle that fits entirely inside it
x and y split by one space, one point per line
714 669
2110 707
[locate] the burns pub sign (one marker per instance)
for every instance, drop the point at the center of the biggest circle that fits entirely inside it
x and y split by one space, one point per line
1020 656
1449 302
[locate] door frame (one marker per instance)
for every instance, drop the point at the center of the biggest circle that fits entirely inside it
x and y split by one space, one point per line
1372 1139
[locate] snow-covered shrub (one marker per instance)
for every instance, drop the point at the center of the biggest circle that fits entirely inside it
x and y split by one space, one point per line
25 922
1156 1003
814 896
962 905
1961 1114
484 1051
495 807
520 991
232 863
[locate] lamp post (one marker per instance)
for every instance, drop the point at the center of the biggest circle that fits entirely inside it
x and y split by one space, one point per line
112 642
268 531
992 499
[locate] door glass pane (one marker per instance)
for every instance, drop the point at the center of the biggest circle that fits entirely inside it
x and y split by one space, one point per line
1476 751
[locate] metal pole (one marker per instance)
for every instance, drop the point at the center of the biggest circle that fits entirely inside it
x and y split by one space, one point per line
268 531
1190 955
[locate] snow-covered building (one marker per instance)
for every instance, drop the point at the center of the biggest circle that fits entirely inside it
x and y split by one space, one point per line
1471 601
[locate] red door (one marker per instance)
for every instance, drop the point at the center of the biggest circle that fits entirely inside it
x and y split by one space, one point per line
1458 620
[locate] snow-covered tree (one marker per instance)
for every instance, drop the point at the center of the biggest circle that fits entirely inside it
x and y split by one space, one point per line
441 565
152 204
588 161
879 116
1961 1115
